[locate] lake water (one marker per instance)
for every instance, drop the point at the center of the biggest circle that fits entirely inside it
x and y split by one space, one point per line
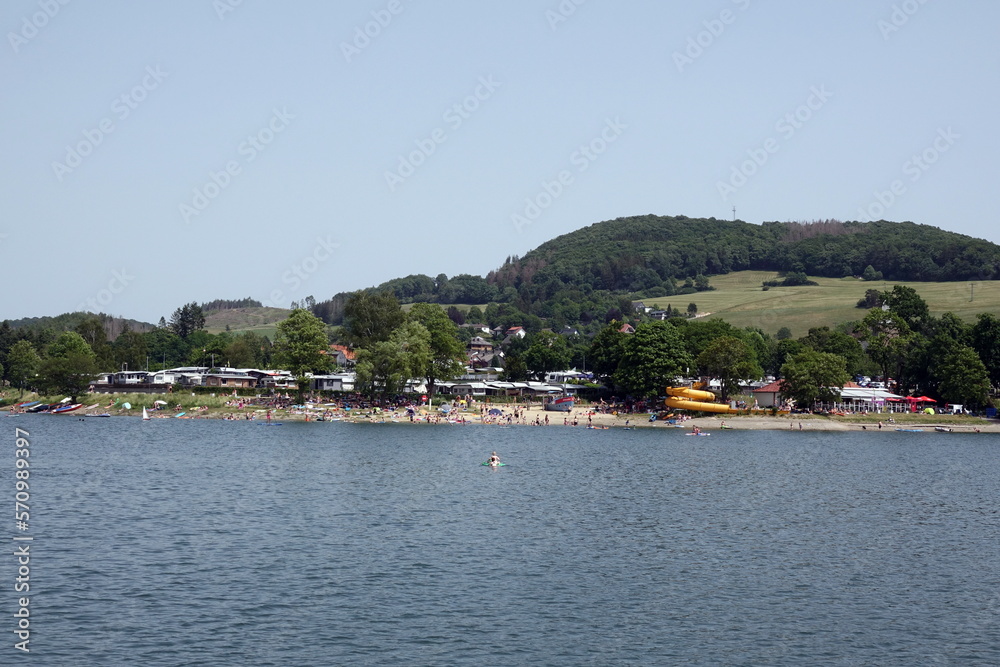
181 542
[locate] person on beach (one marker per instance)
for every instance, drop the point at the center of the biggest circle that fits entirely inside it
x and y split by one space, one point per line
494 460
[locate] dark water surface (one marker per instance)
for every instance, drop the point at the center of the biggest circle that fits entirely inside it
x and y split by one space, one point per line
180 542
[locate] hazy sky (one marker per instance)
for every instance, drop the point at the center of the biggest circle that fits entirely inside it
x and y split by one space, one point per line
156 153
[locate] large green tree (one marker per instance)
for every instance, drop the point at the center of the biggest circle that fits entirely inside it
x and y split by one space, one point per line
166 349
384 368
248 350
824 339
22 364
731 361
782 350
652 357
301 345
514 368
963 377
811 376
447 353
187 319
606 351
986 342
907 304
130 349
888 337
371 317
92 330
69 367
546 352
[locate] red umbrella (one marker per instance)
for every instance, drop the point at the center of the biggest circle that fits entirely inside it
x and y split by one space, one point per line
922 399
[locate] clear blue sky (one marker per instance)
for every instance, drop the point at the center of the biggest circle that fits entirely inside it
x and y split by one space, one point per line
115 116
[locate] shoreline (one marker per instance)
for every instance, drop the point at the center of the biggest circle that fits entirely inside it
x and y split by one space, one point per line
585 419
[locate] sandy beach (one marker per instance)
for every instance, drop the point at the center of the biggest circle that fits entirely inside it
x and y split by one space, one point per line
530 414
762 423
586 418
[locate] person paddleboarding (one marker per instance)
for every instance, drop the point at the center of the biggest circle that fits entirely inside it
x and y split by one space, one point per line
494 460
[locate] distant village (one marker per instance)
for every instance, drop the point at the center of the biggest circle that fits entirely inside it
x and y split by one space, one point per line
480 379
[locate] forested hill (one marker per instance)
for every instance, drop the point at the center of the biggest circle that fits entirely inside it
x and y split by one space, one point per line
640 253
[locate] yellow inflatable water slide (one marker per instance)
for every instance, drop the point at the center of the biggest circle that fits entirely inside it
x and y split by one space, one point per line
685 398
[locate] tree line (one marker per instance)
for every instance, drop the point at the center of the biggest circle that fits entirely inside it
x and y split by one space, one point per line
942 357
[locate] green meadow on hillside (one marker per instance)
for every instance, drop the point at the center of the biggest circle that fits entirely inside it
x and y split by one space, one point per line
261 321
739 299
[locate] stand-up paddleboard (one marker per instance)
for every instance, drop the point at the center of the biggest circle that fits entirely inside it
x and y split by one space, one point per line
697 434
179 414
492 465
270 423
910 430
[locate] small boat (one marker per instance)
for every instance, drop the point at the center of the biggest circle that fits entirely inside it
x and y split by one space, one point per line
910 430
145 415
103 414
943 429
563 404
66 408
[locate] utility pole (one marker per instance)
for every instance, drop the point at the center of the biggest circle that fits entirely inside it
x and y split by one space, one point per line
734 214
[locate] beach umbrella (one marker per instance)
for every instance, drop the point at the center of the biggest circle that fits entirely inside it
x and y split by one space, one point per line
496 411
127 406
159 402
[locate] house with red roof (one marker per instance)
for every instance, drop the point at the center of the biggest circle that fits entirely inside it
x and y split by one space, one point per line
343 355
768 396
